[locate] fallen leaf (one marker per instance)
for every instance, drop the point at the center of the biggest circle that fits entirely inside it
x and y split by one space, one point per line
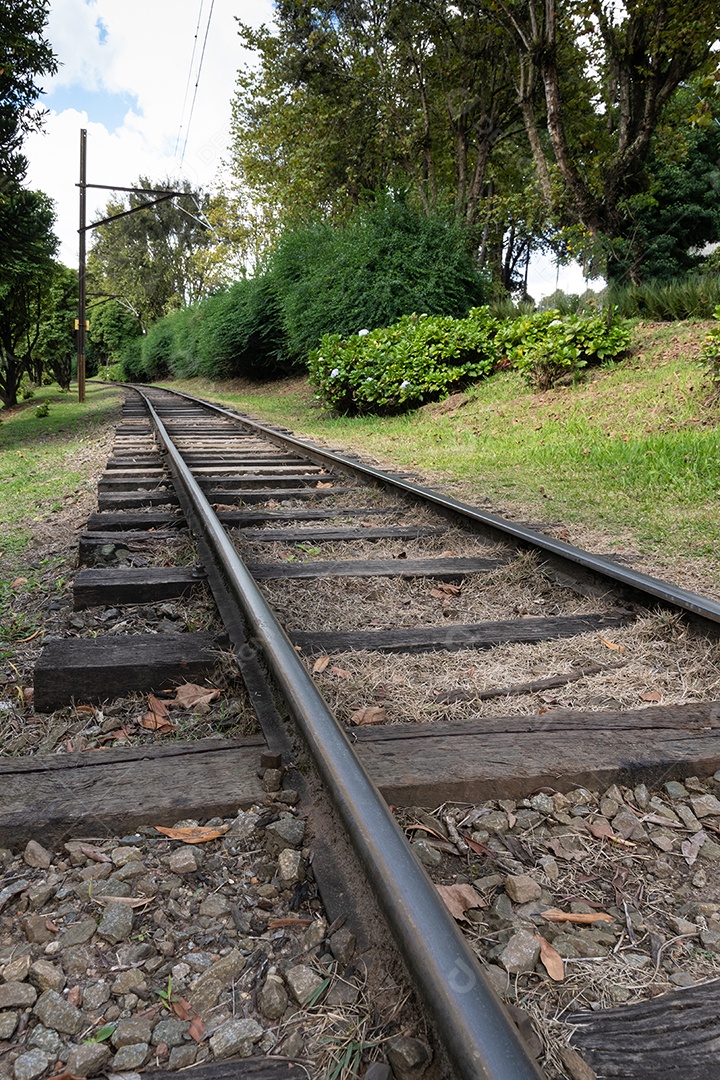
445 588
460 898
476 846
340 672
320 484
448 554
612 645
373 714
157 706
320 664
18 582
152 722
86 710
288 920
194 834
652 695
426 829
94 853
580 917
196 1030
189 695
691 848
551 958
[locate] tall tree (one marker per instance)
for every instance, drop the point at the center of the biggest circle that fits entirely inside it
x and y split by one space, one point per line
149 259
25 56
25 280
608 72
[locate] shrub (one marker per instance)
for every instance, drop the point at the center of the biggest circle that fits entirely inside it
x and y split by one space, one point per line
386 262
240 331
691 297
43 409
418 359
421 358
546 347
710 354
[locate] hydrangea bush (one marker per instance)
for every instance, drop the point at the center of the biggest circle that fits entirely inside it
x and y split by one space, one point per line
422 358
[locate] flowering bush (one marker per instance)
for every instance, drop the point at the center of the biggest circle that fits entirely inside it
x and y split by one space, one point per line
547 346
419 358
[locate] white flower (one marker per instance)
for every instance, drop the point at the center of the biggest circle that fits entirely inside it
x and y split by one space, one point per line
334 373
404 383
362 333
369 379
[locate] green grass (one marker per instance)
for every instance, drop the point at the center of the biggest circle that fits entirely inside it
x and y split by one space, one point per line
42 459
632 448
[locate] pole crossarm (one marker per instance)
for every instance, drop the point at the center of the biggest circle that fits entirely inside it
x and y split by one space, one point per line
133 209
135 190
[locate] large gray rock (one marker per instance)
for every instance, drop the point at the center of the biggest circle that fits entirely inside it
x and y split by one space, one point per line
30 1065
131 1032
88 1059
129 1057
521 952
409 1057
273 998
17 995
235 1037
57 1013
286 832
303 982
521 888
117 923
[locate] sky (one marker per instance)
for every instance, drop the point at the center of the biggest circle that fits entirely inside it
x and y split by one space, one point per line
127 73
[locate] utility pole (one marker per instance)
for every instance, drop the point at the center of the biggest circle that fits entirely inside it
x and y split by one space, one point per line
163 195
81 268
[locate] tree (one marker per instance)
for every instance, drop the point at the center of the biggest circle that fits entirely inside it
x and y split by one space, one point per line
149 259
608 73
357 97
24 56
54 351
25 280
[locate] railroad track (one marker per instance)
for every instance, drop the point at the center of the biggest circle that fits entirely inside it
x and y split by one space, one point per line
359 564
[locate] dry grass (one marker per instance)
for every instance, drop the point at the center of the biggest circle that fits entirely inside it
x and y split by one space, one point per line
661 656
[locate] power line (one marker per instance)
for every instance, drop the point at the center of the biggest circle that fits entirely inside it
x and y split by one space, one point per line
197 82
189 76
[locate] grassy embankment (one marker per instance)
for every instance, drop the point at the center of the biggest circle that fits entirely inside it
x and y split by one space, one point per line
47 466
632 450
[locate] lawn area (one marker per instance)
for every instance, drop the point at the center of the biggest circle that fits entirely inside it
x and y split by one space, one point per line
44 459
632 449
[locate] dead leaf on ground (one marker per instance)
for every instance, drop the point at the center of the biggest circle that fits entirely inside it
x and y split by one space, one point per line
448 554
341 673
551 958
691 848
94 853
152 722
601 830
460 898
320 664
190 694
288 920
194 834
579 917
321 484
373 714
561 851
184 1011
612 645
444 589
18 582
476 845
652 695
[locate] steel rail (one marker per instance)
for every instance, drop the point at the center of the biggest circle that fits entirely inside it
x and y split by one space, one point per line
670 594
480 1040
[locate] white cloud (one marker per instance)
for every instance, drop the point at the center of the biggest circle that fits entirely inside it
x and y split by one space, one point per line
140 48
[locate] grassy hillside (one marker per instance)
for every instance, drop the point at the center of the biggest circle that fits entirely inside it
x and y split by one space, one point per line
631 451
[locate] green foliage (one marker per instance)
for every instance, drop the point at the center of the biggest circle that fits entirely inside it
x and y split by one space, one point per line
548 346
240 331
421 358
417 359
43 409
111 325
385 262
27 391
24 57
710 354
693 297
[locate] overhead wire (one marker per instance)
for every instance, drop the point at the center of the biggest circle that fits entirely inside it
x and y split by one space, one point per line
197 82
189 76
